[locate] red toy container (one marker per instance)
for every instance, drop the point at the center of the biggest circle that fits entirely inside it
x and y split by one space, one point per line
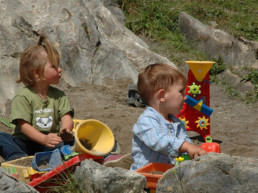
153 172
43 183
210 146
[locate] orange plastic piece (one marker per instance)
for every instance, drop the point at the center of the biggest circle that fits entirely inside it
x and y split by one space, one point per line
150 172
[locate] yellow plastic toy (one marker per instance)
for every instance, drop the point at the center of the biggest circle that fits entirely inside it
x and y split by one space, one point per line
194 89
185 121
98 136
200 68
202 123
23 173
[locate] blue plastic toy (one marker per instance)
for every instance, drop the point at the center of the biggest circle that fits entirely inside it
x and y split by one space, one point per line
46 161
198 105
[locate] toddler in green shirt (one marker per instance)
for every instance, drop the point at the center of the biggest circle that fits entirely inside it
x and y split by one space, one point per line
38 108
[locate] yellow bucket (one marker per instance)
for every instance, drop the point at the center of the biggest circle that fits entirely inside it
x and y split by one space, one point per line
98 136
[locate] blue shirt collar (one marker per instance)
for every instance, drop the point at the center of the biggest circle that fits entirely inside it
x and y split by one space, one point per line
176 121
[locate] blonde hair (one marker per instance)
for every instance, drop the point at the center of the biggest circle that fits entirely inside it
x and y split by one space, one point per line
155 77
34 57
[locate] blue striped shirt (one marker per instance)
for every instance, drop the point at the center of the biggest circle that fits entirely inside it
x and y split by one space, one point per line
156 139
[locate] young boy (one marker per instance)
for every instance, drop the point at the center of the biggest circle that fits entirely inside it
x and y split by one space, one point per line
159 136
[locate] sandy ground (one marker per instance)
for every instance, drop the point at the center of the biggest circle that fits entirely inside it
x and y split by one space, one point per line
234 124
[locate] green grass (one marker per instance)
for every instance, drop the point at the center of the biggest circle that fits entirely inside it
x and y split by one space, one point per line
250 97
252 77
218 67
237 17
157 18
157 21
67 183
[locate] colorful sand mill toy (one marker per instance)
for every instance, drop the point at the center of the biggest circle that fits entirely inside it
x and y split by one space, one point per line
196 112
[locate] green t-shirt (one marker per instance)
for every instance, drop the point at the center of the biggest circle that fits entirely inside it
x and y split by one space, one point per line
44 115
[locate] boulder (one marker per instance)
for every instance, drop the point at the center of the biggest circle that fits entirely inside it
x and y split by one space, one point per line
94 177
218 44
10 184
90 35
236 82
212 173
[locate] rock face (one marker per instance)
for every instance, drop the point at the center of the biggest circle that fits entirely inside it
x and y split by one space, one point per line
95 46
212 173
97 178
236 82
217 43
9 184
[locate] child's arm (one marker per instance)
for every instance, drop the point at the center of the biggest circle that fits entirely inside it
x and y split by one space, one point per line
186 137
66 131
50 140
192 149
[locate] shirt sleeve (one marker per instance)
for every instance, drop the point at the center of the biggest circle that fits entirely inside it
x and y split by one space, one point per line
20 109
187 138
64 106
157 138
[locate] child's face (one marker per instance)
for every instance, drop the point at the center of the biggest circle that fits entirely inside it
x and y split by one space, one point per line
52 74
174 98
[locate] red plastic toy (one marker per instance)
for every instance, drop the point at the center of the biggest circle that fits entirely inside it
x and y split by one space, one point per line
43 183
210 146
198 88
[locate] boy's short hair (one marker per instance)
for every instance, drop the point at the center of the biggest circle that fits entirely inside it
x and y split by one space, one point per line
155 77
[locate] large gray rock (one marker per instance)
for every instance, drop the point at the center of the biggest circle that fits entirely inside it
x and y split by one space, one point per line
217 43
212 173
94 177
90 35
236 82
9 184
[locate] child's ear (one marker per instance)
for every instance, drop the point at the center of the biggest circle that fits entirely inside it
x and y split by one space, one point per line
161 95
35 73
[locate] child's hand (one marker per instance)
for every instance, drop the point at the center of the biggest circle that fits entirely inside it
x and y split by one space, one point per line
66 134
52 139
192 150
195 151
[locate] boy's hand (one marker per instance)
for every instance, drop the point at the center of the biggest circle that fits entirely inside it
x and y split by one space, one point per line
51 140
192 150
66 134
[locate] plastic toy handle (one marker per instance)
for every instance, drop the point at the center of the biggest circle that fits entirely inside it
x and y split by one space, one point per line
66 150
208 139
